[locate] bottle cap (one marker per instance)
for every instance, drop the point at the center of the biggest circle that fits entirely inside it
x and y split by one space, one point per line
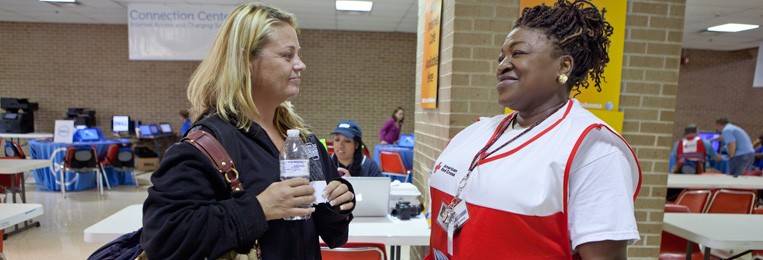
292 133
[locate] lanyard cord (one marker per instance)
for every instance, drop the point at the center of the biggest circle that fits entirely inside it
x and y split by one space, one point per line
482 154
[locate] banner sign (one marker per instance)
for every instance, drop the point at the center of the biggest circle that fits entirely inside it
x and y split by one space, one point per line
173 32
431 58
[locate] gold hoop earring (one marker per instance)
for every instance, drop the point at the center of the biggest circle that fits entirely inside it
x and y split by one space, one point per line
562 78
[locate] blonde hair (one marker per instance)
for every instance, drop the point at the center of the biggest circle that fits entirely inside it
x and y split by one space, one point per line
223 81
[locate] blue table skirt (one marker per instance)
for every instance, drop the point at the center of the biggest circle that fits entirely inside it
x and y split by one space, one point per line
75 181
406 153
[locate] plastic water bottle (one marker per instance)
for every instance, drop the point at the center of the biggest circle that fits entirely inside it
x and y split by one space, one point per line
295 162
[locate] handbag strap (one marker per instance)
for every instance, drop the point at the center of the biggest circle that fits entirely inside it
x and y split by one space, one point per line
215 152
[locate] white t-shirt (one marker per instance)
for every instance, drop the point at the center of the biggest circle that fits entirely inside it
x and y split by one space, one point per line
601 188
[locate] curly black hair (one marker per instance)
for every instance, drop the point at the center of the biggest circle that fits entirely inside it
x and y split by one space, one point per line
578 29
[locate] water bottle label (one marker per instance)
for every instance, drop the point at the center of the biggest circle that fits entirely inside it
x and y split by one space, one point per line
295 168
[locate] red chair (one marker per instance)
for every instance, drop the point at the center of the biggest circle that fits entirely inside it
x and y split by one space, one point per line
79 159
392 165
695 200
355 251
732 201
673 247
120 157
13 182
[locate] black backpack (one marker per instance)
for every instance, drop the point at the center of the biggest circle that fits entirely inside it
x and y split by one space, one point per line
125 247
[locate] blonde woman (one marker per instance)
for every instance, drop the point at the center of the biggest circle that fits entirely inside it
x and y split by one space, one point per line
239 93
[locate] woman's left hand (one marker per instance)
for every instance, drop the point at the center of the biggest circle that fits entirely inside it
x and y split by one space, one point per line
337 193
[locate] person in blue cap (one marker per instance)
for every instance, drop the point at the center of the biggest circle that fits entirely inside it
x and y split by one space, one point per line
348 151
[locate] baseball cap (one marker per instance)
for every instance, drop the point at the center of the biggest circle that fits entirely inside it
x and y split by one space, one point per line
349 129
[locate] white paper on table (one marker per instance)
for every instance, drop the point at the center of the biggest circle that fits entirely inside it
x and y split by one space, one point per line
319 186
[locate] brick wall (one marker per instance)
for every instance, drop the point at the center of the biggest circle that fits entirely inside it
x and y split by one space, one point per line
356 75
471 35
718 84
648 99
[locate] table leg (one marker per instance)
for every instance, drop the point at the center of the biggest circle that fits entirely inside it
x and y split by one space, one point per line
689 249
23 188
707 253
395 253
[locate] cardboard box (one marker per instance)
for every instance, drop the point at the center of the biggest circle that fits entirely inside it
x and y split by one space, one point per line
146 164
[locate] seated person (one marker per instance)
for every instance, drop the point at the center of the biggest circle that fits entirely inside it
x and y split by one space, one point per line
758 145
691 152
348 152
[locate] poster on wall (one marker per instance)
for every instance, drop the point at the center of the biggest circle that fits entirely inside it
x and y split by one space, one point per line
604 104
431 58
173 32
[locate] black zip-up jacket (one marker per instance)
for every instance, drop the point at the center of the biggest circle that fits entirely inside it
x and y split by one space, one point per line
190 212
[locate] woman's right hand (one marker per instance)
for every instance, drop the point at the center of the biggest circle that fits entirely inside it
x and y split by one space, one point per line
384 142
287 198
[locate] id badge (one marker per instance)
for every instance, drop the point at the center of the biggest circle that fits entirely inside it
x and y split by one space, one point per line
442 217
461 214
458 215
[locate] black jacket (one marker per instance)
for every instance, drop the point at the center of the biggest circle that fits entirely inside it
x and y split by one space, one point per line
368 167
190 212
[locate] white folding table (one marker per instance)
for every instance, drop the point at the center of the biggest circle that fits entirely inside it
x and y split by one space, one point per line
14 166
387 230
717 231
26 136
714 182
12 214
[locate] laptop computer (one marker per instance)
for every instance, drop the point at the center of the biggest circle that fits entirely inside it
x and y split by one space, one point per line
371 196
166 128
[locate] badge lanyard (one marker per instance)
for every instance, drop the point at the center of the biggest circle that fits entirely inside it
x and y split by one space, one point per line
451 220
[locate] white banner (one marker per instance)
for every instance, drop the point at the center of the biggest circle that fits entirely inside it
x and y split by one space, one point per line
173 32
757 81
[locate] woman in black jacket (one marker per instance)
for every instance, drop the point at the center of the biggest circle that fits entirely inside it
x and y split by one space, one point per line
238 93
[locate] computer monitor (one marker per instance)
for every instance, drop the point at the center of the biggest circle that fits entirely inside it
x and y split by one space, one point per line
120 124
88 135
155 129
145 130
711 137
166 128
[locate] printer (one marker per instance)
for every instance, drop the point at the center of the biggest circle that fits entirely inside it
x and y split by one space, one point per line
18 115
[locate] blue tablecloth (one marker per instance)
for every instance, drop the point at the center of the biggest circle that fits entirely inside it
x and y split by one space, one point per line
42 149
405 152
